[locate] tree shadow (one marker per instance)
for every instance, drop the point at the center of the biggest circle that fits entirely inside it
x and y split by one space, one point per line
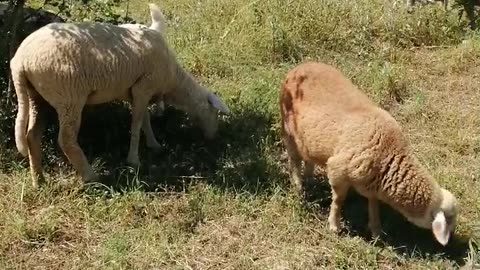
404 238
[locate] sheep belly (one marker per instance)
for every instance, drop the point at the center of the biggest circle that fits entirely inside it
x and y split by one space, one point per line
107 95
77 83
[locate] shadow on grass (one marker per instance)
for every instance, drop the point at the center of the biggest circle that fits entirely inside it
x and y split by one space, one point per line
239 157
406 239
244 157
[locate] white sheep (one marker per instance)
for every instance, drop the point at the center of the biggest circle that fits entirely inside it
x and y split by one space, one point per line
327 121
70 65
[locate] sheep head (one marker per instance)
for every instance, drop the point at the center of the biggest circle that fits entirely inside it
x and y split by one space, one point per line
201 104
208 115
445 217
440 217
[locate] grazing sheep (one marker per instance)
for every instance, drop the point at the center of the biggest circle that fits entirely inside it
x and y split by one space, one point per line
70 65
327 121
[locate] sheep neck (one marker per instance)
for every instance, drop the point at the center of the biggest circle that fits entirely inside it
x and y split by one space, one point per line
187 93
405 185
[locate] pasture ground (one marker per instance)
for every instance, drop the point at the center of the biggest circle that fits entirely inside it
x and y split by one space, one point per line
227 204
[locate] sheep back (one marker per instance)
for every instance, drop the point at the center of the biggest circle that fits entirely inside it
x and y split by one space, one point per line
94 60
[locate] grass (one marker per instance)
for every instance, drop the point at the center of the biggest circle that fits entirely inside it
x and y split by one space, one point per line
227 204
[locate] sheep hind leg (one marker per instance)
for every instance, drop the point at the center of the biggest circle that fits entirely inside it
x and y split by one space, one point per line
70 118
295 165
36 126
152 142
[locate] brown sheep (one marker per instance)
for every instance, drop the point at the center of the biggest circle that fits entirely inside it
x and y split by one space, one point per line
329 122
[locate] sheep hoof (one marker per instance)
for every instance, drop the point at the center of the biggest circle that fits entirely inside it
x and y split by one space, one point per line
35 184
334 225
375 232
134 162
334 228
37 181
154 146
91 177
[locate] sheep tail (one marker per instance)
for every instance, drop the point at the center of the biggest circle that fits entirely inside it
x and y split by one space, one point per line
21 88
158 20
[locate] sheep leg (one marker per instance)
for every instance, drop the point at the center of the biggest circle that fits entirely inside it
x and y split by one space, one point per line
339 193
308 170
158 107
36 126
373 217
340 185
139 109
70 118
148 131
295 164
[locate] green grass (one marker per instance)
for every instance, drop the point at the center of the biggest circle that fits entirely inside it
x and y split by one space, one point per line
227 204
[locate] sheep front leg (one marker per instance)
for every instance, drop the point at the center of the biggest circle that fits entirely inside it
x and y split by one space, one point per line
374 218
308 171
139 109
339 193
148 131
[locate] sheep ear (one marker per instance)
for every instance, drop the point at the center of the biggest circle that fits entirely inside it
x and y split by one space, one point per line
439 228
217 103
